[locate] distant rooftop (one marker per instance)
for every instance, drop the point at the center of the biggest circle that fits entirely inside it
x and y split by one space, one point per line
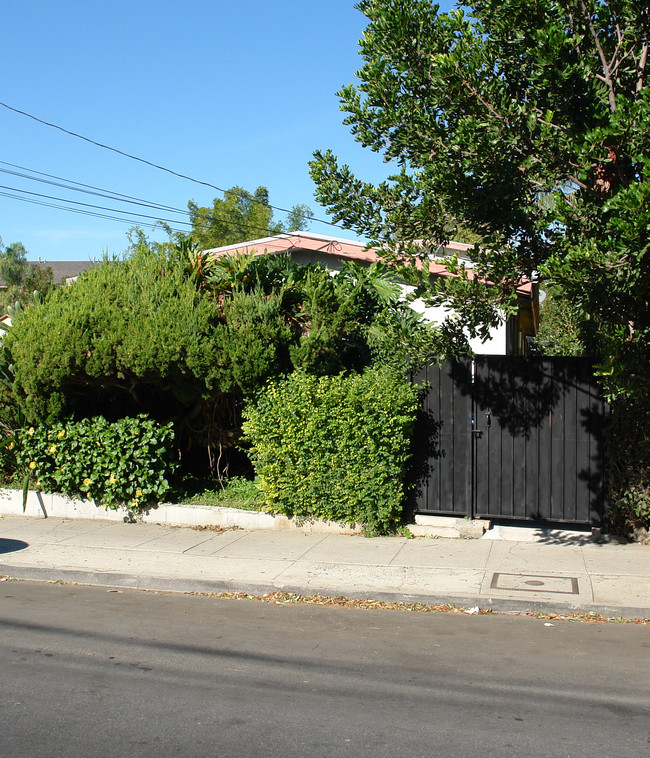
62 270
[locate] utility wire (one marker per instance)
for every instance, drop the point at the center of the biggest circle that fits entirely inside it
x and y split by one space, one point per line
150 163
83 212
86 188
117 196
87 205
120 197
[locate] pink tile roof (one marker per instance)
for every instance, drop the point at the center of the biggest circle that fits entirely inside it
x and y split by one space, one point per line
341 248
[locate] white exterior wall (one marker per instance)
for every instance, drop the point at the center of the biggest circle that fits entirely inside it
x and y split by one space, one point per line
495 345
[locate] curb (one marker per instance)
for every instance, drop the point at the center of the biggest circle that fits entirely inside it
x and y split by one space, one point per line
200 586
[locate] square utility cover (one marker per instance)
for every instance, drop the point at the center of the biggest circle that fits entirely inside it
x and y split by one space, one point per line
561 585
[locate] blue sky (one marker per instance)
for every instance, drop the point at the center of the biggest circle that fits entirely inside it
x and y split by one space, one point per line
232 93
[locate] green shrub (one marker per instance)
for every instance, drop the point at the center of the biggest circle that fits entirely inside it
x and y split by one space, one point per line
629 464
128 337
127 463
334 447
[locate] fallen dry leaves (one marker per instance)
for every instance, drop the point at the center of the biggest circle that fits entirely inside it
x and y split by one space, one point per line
290 598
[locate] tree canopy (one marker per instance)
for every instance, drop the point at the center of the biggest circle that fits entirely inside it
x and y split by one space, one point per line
13 264
21 279
525 121
239 216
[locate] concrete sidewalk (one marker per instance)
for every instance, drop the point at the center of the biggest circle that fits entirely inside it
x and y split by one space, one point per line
568 574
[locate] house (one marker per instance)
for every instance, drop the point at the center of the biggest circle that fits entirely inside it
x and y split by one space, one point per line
510 338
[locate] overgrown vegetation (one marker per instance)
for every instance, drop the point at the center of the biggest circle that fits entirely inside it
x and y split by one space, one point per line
189 339
21 279
334 447
629 467
237 492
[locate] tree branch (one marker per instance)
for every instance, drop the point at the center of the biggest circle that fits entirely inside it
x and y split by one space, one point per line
580 184
641 68
607 78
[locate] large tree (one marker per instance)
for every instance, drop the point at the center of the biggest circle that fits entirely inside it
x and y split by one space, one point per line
526 121
239 216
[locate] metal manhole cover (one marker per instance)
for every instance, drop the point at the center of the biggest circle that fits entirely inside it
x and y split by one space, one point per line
557 585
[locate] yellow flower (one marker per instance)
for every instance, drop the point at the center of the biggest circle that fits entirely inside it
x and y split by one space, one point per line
138 493
11 445
32 465
87 482
134 503
61 434
30 431
51 449
112 479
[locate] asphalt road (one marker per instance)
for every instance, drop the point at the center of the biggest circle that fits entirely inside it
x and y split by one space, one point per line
90 672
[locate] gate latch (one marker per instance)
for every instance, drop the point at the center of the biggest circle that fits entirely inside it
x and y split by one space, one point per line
477 433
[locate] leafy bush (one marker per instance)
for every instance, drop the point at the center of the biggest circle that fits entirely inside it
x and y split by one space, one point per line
629 465
184 337
334 447
127 463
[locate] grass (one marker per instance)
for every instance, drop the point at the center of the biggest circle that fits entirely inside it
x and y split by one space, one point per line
237 492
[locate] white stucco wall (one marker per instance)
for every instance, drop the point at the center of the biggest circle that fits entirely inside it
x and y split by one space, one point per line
495 345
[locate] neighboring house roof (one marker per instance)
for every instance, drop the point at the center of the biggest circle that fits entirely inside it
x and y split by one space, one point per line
64 270
322 245
319 243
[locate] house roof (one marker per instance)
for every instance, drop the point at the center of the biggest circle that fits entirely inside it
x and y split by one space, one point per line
346 249
63 270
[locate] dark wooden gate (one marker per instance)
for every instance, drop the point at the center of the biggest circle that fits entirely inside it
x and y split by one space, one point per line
509 437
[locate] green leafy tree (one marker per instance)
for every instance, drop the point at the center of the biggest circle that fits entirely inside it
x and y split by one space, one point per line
13 264
525 122
241 216
561 330
38 279
297 219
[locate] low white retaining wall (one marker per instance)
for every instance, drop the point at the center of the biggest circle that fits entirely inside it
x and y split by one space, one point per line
58 506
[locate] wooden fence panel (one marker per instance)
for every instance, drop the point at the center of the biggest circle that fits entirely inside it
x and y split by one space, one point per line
517 438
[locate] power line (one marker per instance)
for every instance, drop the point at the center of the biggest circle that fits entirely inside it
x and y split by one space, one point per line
150 163
83 212
120 197
88 205
109 194
86 188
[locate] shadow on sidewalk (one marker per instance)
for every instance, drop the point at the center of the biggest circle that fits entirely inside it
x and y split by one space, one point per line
11 546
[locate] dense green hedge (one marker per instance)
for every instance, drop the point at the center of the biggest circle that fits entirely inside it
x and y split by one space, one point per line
127 463
334 447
